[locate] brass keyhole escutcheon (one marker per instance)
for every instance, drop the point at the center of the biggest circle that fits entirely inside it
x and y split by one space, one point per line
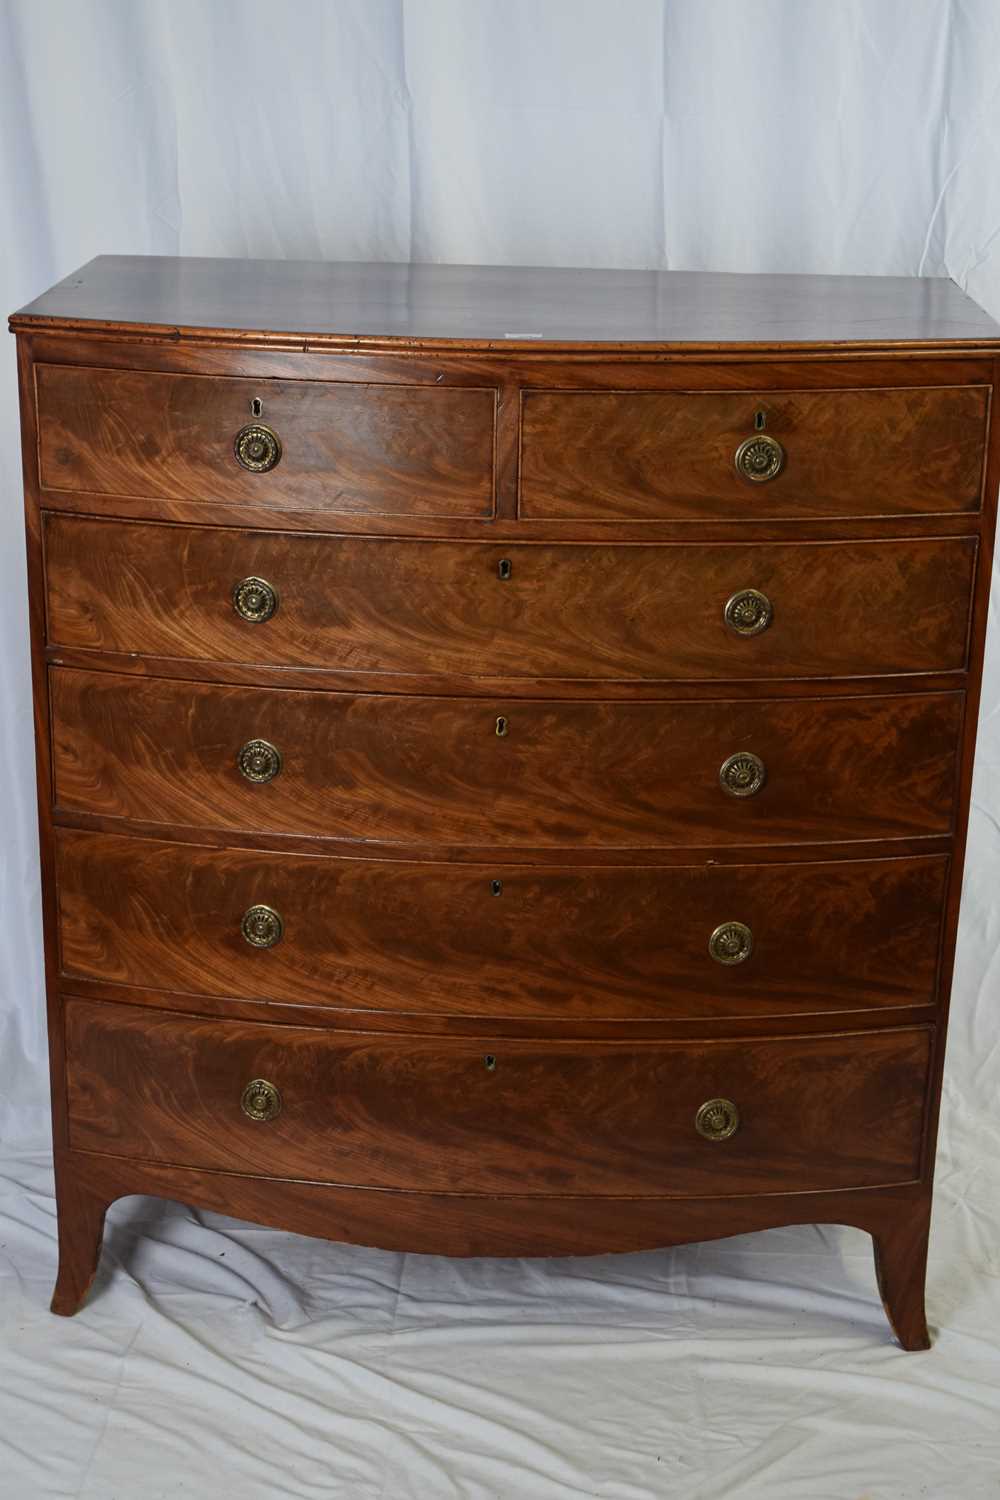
490 1062
261 1100
504 568
496 887
731 943
259 761
503 727
255 600
742 774
717 1119
748 612
257 448
262 926
759 458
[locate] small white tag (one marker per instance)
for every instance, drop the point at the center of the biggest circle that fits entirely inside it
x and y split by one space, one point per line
522 335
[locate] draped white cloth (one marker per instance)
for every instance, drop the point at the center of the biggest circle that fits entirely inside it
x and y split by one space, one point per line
792 135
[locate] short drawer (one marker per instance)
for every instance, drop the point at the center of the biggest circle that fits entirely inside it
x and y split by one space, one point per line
651 455
503 773
498 1116
501 939
669 611
346 448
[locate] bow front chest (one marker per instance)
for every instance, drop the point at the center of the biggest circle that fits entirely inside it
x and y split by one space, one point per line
504 745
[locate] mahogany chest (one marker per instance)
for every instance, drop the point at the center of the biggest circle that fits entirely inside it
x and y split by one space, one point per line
504 743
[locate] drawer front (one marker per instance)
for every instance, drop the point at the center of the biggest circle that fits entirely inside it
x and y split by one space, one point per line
503 1116
645 456
368 449
446 772
498 939
832 609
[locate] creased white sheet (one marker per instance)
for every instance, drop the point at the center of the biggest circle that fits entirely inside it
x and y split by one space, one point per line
216 1360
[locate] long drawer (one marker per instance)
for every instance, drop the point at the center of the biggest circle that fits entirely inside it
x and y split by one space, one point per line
751 455
716 610
501 939
467 771
451 771
407 450
505 1116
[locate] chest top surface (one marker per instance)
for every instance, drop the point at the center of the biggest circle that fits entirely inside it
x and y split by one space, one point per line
508 307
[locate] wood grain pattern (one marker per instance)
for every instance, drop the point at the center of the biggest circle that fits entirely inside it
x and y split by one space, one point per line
643 456
584 1028
81 1232
502 529
455 685
450 1223
900 1269
432 939
435 770
413 1112
595 367
620 845
356 305
391 450
577 612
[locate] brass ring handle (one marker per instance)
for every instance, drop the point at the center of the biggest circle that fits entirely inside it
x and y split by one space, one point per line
731 943
742 774
257 448
261 1100
259 761
717 1119
255 600
748 612
262 926
759 458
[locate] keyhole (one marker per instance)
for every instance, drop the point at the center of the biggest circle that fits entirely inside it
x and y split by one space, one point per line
490 1061
504 568
256 406
496 887
501 726
760 420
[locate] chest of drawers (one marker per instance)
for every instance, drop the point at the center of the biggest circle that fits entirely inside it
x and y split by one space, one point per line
504 744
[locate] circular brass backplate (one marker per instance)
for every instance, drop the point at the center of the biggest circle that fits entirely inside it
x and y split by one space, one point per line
742 774
731 943
259 761
717 1119
255 600
748 612
759 458
257 448
262 926
261 1100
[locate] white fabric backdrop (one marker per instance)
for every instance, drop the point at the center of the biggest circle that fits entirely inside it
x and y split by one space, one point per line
793 135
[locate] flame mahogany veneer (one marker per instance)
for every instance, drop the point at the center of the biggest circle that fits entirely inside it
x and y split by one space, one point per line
400 896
